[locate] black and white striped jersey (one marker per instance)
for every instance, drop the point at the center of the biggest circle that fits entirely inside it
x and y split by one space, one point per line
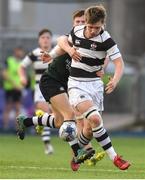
93 52
34 59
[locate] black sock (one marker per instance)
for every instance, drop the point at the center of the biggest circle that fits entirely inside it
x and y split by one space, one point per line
28 122
45 120
75 146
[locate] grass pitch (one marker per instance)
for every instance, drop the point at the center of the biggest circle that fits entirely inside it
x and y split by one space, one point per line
26 159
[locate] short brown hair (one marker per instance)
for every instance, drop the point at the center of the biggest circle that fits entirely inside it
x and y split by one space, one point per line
95 14
44 31
78 13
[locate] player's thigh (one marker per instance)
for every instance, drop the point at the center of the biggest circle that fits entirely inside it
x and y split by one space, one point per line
50 87
61 103
84 106
80 99
55 93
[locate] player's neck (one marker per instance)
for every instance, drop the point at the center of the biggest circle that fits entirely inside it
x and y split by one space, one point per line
45 48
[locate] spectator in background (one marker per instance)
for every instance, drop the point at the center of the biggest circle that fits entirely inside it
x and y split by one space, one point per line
12 85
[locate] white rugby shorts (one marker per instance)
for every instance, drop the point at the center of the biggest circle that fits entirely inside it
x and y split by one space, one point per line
80 91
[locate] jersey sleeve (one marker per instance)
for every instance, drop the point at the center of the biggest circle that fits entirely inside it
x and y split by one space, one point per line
113 52
26 61
29 59
111 47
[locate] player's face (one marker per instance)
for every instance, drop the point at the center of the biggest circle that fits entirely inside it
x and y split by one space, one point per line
45 41
19 53
79 21
93 30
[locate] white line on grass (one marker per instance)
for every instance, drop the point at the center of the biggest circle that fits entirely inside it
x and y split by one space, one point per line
68 169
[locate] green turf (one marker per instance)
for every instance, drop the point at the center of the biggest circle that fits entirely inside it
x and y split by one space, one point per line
25 159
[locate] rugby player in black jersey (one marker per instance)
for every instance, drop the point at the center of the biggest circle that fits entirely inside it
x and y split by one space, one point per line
53 85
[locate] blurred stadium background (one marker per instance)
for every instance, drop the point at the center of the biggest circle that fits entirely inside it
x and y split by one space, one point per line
20 21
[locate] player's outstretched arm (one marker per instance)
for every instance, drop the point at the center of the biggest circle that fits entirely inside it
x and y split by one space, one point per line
22 75
67 47
119 68
48 57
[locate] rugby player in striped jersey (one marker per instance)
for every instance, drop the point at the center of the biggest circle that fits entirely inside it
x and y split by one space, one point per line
93 44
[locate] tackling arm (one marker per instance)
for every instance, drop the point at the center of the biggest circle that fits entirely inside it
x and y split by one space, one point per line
47 57
67 47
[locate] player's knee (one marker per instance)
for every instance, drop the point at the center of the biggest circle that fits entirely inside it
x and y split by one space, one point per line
94 119
93 116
